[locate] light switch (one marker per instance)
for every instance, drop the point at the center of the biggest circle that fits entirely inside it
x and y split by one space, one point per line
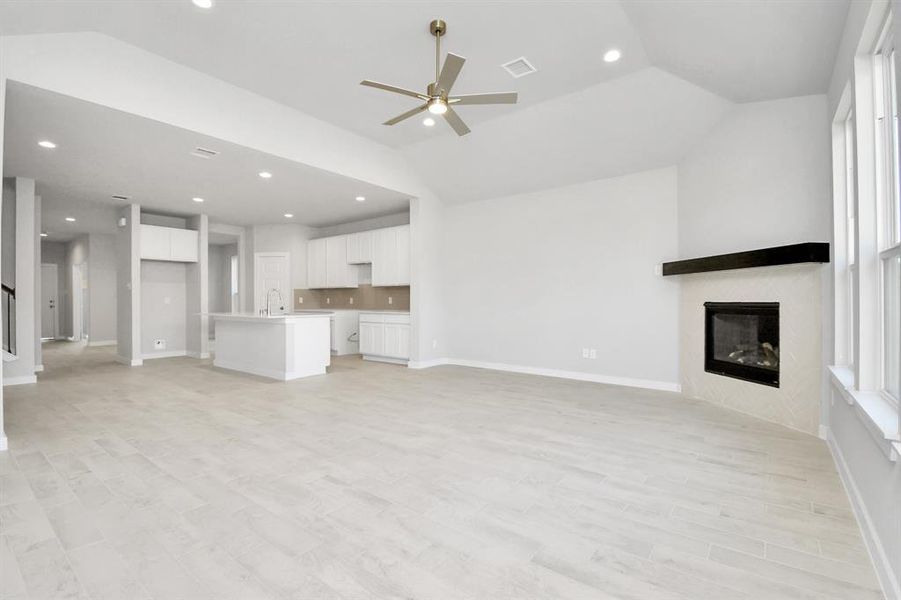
351 300
390 300
585 353
300 299
328 300
593 354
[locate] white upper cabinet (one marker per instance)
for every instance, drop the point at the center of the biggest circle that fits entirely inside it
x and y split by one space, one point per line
391 256
338 272
359 247
183 244
332 261
317 264
169 243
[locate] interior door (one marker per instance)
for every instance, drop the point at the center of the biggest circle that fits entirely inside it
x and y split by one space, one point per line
271 272
49 302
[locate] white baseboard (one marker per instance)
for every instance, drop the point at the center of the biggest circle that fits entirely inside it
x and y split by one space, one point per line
386 359
166 354
887 577
39 368
425 364
21 380
648 384
103 343
131 362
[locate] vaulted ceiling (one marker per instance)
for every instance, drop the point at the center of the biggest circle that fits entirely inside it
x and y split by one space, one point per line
684 62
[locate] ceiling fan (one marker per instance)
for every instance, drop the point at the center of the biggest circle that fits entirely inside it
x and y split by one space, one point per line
437 98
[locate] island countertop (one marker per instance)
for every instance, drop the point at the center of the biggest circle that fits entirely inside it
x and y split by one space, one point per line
252 317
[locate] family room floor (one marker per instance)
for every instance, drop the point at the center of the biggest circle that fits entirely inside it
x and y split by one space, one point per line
178 480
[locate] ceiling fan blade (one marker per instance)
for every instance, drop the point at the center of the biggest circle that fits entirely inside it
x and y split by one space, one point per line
406 115
450 71
493 98
454 120
395 89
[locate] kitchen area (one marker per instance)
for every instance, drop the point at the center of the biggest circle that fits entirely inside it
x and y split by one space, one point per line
355 277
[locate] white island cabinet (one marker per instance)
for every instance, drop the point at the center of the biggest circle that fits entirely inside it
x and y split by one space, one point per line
281 347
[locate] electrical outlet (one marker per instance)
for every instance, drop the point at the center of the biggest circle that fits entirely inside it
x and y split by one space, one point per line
167 300
351 299
593 353
328 300
390 300
584 352
300 299
159 344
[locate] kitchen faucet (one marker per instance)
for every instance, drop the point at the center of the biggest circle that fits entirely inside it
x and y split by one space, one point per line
269 301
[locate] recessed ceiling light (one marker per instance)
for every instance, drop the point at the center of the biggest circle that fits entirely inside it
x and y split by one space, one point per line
70 219
203 3
288 215
428 121
46 144
265 174
43 234
612 55
197 199
360 198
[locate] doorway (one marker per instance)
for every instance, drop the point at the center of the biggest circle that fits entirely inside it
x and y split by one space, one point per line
49 301
271 274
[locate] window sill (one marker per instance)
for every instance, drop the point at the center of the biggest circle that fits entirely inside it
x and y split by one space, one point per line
878 415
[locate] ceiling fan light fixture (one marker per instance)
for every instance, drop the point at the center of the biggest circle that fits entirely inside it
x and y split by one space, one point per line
437 106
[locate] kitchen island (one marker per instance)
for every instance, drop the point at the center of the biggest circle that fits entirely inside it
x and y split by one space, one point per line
282 347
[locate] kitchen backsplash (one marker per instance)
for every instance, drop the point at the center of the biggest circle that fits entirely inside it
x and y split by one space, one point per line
364 297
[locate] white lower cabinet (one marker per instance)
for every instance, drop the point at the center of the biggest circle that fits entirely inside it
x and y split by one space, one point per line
385 336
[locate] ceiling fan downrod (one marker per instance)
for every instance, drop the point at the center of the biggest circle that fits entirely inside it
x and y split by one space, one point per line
437 28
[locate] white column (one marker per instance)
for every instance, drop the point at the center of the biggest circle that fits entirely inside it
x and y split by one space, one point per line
21 370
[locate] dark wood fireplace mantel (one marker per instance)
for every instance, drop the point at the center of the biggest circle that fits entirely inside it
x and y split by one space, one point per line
806 252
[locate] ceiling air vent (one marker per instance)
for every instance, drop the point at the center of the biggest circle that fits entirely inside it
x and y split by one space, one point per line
118 197
204 152
519 67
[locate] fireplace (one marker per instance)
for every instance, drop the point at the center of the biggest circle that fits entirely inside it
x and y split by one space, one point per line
741 340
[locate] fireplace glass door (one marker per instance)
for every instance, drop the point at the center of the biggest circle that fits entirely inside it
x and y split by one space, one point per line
742 340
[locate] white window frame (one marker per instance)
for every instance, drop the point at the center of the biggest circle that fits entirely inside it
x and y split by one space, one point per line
888 198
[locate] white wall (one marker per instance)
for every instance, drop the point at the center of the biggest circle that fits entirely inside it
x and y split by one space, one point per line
532 279
197 292
78 253
102 289
128 287
761 178
163 307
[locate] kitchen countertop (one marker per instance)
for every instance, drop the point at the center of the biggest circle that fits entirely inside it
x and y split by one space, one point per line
246 316
361 310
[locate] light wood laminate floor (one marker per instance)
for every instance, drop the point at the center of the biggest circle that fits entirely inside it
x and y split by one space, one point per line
177 480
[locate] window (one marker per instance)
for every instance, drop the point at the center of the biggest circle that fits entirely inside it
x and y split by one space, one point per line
888 211
850 233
